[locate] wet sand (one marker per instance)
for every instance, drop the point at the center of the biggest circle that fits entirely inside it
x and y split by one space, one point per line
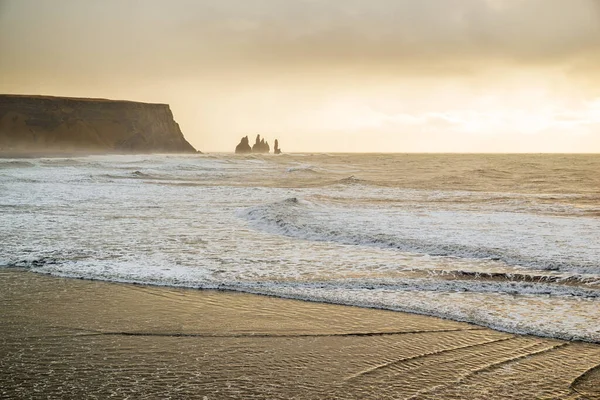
65 338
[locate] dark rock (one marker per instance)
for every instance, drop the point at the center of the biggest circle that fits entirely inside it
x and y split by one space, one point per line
260 146
48 124
276 150
243 147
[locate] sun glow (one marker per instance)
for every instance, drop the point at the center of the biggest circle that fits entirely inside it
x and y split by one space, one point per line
353 115
327 76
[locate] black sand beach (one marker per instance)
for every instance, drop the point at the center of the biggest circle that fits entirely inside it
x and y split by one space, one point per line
65 338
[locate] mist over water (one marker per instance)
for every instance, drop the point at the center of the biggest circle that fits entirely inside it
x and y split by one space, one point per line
505 241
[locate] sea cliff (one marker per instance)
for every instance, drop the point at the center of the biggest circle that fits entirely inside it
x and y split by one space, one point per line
60 124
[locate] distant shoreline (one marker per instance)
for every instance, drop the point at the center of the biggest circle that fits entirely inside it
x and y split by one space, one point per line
48 124
64 154
68 154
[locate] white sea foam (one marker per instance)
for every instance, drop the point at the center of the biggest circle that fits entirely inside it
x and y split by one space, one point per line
301 168
516 261
565 244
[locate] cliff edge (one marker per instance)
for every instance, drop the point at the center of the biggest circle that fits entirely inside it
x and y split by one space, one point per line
62 124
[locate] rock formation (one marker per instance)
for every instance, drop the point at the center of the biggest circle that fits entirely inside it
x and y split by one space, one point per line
243 147
276 149
59 124
260 146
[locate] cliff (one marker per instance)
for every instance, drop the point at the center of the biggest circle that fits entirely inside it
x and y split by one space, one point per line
60 124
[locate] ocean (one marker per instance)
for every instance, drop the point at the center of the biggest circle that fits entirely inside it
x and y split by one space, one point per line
510 242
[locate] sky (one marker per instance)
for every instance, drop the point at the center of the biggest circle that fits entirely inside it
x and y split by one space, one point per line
326 75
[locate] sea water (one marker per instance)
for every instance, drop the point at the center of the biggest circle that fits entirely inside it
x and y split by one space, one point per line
511 242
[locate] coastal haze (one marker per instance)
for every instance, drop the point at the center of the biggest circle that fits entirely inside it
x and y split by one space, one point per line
300 199
335 76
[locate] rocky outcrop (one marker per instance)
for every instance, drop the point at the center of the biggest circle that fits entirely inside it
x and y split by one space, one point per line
276 149
61 124
260 146
243 147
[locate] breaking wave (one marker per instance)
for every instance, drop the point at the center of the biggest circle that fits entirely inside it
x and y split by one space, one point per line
498 305
364 230
302 168
15 164
448 234
351 180
64 162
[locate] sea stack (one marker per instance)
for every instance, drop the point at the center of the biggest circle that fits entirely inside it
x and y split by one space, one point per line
276 149
46 124
243 147
261 146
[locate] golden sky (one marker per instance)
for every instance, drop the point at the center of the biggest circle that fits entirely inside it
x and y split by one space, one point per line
326 75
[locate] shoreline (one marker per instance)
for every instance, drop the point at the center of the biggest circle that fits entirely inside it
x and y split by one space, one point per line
73 337
322 300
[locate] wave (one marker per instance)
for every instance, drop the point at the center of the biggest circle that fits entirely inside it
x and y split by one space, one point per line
140 174
16 164
414 232
491 172
419 250
137 174
482 310
131 175
543 310
64 162
520 277
351 180
302 168
433 285
140 161
429 280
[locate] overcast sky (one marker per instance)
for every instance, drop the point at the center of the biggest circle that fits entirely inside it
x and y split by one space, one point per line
326 75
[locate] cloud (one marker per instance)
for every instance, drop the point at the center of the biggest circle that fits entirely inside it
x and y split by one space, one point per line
447 71
583 120
407 36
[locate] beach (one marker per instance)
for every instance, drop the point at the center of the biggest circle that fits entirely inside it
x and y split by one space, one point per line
300 276
68 338
387 199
